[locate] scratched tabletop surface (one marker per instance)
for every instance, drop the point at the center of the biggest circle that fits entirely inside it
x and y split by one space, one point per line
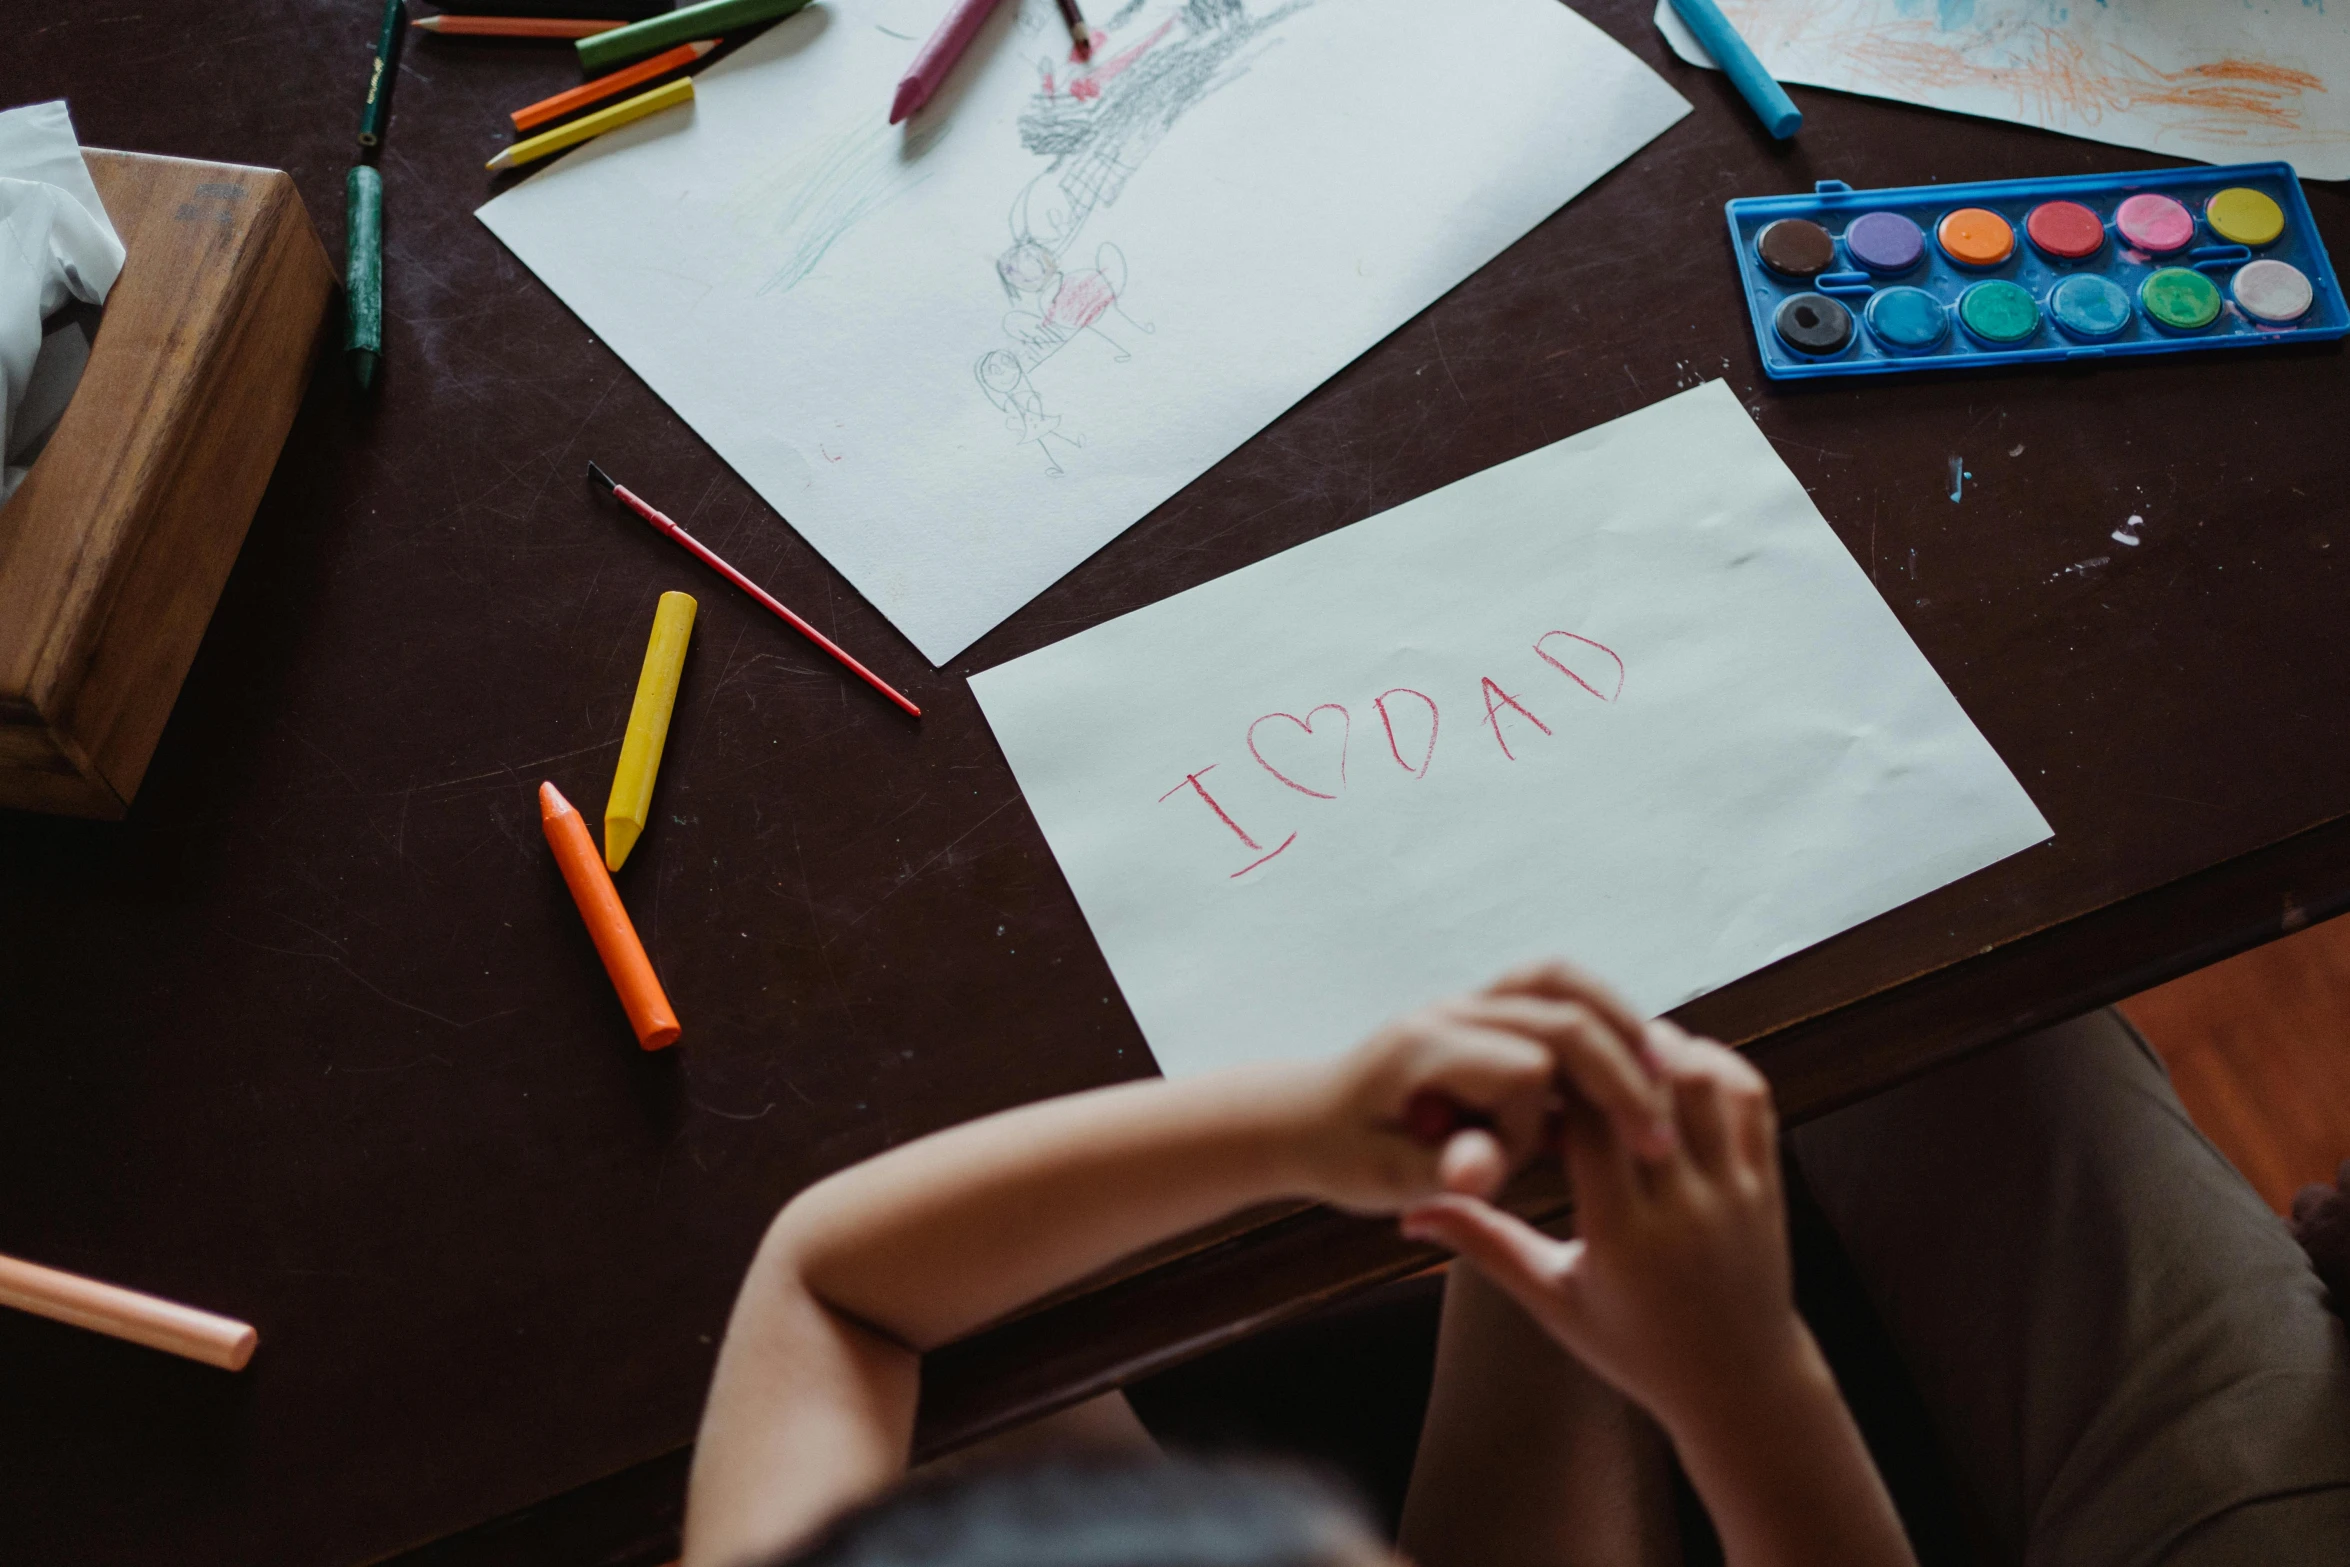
315 1038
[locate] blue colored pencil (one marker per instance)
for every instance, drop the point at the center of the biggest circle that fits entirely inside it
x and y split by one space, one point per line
1769 100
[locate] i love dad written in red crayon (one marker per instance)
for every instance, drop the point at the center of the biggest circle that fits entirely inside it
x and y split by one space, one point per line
1627 696
1308 754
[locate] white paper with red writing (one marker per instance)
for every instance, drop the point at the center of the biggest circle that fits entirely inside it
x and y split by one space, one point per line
1625 699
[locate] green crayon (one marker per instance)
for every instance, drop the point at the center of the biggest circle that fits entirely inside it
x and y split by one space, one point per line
363 272
710 19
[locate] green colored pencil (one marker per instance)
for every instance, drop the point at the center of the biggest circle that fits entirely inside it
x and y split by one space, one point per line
379 81
710 19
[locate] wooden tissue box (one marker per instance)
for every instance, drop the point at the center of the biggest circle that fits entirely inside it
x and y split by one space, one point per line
117 544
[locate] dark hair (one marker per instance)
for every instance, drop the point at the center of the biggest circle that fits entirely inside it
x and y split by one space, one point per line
1101 1513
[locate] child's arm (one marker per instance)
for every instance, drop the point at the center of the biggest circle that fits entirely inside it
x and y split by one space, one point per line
812 1406
1677 1290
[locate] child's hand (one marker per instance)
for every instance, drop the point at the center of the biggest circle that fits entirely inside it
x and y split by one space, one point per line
2321 1222
1677 1288
1495 1061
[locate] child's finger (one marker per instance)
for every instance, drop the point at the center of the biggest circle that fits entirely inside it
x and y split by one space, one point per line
1558 980
1501 1080
1753 1111
1483 1063
1698 1099
1531 1268
1474 1163
1599 1061
1608 1181
1734 1104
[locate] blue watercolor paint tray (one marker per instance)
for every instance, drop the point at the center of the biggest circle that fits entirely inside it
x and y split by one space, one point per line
1843 279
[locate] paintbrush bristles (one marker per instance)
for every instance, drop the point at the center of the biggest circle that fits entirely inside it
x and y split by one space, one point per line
601 477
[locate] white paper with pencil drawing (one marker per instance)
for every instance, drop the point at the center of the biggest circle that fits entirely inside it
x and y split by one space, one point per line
963 354
2228 82
1626 699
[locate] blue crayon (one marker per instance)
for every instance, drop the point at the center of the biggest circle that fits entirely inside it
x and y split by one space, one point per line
1768 99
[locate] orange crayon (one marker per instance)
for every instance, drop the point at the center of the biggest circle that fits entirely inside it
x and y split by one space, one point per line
547 110
607 922
126 1314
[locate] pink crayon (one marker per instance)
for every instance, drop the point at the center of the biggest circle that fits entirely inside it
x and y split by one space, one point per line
938 56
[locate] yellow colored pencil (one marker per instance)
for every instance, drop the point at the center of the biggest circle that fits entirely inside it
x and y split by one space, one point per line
592 125
631 801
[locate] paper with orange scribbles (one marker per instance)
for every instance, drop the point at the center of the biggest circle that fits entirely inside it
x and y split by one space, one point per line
2224 81
1625 699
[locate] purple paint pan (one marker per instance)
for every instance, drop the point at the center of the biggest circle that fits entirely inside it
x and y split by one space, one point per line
1885 242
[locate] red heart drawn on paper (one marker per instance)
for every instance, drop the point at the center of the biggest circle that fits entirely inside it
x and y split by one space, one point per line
1396 745
1558 661
1303 753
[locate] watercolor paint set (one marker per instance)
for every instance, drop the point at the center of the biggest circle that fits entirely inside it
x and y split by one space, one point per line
2091 266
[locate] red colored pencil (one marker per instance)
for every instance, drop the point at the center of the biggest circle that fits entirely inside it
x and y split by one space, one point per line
929 70
709 558
514 26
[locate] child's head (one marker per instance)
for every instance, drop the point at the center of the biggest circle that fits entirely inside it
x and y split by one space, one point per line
1179 1513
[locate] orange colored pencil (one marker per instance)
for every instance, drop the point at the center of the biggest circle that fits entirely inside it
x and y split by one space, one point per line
604 87
513 26
126 1314
607 922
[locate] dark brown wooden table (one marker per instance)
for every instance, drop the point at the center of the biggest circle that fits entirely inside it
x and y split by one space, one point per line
316 1039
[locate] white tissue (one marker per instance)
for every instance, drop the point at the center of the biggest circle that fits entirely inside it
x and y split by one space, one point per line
56 243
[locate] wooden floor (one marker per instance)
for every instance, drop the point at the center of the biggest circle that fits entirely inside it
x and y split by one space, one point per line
2259 1047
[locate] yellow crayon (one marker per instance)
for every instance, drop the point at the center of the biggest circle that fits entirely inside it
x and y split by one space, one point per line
631 803
593 125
